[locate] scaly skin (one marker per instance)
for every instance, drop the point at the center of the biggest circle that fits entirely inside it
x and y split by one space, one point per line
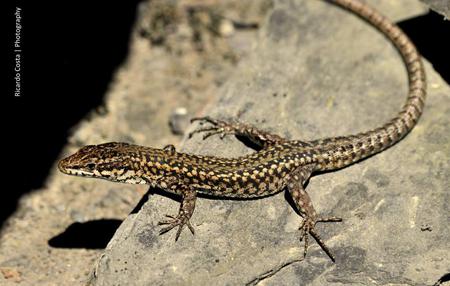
280 164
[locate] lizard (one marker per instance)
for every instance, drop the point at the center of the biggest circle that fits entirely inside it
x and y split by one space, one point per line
280 164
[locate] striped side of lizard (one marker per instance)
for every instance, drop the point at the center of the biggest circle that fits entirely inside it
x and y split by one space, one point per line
280 164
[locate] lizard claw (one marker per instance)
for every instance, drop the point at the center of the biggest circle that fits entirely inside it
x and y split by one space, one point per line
180 221
307 227
217 127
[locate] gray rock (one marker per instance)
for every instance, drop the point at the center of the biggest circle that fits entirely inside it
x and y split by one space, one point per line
440 6
179 121
317 71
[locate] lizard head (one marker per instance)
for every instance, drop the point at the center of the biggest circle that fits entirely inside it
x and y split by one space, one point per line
110 161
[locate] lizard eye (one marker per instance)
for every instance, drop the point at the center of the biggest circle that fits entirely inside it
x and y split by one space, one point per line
90 166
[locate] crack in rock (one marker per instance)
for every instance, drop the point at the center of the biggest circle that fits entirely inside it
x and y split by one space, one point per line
271 272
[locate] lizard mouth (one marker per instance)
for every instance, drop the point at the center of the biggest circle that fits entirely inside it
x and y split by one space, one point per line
66 167
62 166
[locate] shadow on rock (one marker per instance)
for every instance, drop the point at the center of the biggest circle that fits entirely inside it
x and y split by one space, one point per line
93 234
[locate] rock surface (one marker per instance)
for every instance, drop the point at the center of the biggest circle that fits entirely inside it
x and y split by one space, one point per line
317 71
440 6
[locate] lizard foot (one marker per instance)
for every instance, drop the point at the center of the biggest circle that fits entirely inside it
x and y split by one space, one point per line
308 227
220 127
180 221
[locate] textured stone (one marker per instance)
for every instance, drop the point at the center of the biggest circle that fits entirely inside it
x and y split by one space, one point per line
440 6
317 71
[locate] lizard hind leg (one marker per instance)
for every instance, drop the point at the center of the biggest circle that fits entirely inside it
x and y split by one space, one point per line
305 207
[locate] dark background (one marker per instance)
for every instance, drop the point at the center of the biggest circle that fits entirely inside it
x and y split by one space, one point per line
70 52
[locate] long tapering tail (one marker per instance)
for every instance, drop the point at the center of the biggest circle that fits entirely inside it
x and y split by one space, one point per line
339 152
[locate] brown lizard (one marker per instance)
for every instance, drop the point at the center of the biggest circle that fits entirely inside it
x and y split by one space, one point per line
280 164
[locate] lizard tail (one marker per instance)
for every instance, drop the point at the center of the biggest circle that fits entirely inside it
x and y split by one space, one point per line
339 152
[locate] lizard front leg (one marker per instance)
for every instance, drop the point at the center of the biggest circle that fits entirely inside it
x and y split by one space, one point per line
223 128
305 207
187 207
